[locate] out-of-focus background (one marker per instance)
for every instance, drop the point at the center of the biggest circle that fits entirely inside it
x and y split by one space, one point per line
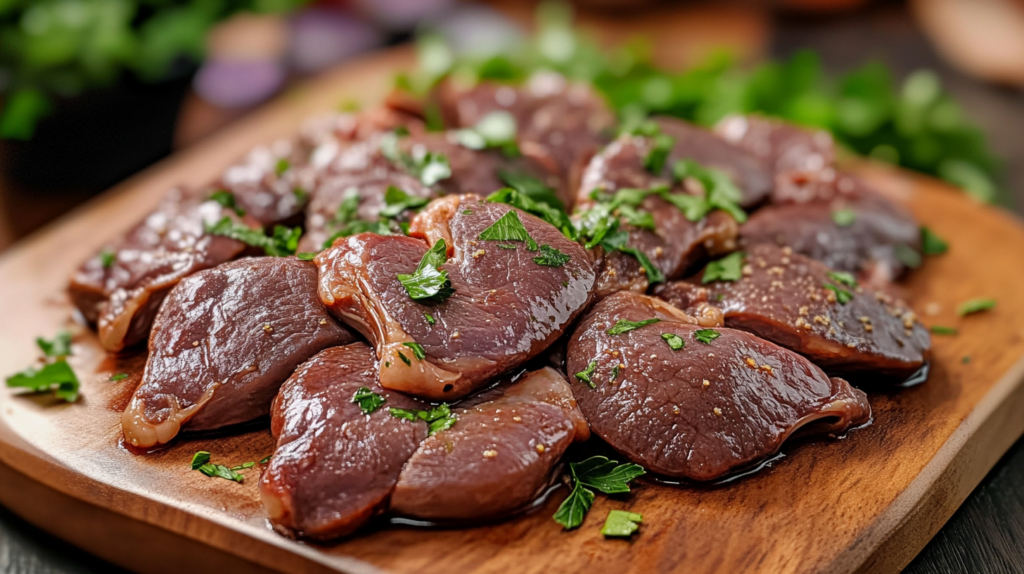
93 91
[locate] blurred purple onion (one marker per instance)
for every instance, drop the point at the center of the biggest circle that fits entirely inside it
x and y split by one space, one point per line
323 37
400 15
238 83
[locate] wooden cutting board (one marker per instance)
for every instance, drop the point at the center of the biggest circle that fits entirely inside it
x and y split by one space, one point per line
868 502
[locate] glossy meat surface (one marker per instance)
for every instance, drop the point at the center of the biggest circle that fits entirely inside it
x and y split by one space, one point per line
335 467
782 297
498 457
707 409
222 344
877 240
506 308
122 295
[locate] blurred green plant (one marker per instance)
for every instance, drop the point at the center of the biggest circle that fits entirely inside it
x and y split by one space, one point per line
59 48
914 124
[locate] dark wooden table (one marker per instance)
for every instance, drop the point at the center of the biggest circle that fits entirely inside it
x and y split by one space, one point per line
987 532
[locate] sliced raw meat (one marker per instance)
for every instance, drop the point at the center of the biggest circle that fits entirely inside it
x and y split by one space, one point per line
506 307
688 409
861 232
801 159
222 344
802 305
497 458
335 466
121 287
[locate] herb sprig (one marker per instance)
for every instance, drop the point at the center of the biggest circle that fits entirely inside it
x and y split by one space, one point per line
597 473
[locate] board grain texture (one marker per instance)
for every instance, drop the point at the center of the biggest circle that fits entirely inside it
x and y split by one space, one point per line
866 503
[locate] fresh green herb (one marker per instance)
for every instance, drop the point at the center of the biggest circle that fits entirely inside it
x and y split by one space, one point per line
621 523
417 350
661 146
586 375
56 376
220 471
398 201
266 459
505 246
719 191
598 473
843 278
623 326
907 255
654 275
367 400
405 359
531 187
199 459
467 212
932 244
675 342
842 295
118 377
844 217
940 330
107 258
495 130
428 283
615 374
429 167
301 195
227 200
244 466
508 228
551 257
611 239
438 418
282 166
540 207
975 306
282 243
58 347
430 319
636 217
728 268
706 335
306 256
966 359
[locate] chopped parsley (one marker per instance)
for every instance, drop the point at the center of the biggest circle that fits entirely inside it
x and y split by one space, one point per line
118 377
551 257
598 473
719 190
428 283
532 188
398 201
508 228
199 459
842 295
227 200
654 275
55 375
940 330
966 359
282 166
621 523
266 459
300 194
844 217
58 347
306 256
367 400
282 243
495 130
623 326
430 319
975 306
586 375
107 258
615 374
201 462
428 167
438 418
661 146
244 465
636 217
417 349
932 244
843 278
506 246
728 268
706 335
405 359
614 240
675 342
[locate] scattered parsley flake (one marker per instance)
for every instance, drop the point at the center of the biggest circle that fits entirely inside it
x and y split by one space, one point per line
430 319
615 373
282 243
227 200
398 201
505 246
940 330
621 523
301 195
586 375
975 306
508 228
843 278
932 244
551 257
417 349
427 282
532 189
404 358
719 191
367 400
107 258
199 459
282 166
907 255
598 473
623 326
728 268
266 459
661 146
706 335
438 418
429 167
58 347
118 377
56 376
844 217
842 295
966 359
675 342
306 256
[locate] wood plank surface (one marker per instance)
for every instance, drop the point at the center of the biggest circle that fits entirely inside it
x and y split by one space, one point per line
867 502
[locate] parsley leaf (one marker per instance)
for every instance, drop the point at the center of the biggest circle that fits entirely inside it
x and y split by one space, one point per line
551 257
654 275
438 418
428 166
405 359
599 473
367 400
495 130
675 342
417 349
58 347
586 375
636 217
282 166
932 244
574 508
118 377
940 330
844 217
428 282
508 228
398 201
842 295
531 187
56 376
306 256
199 459
430 319
661 146
107 258
621 523
227 199
282 243
201 462
623 326
728 268
538 207
706 335
719 190
843 278
975 306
